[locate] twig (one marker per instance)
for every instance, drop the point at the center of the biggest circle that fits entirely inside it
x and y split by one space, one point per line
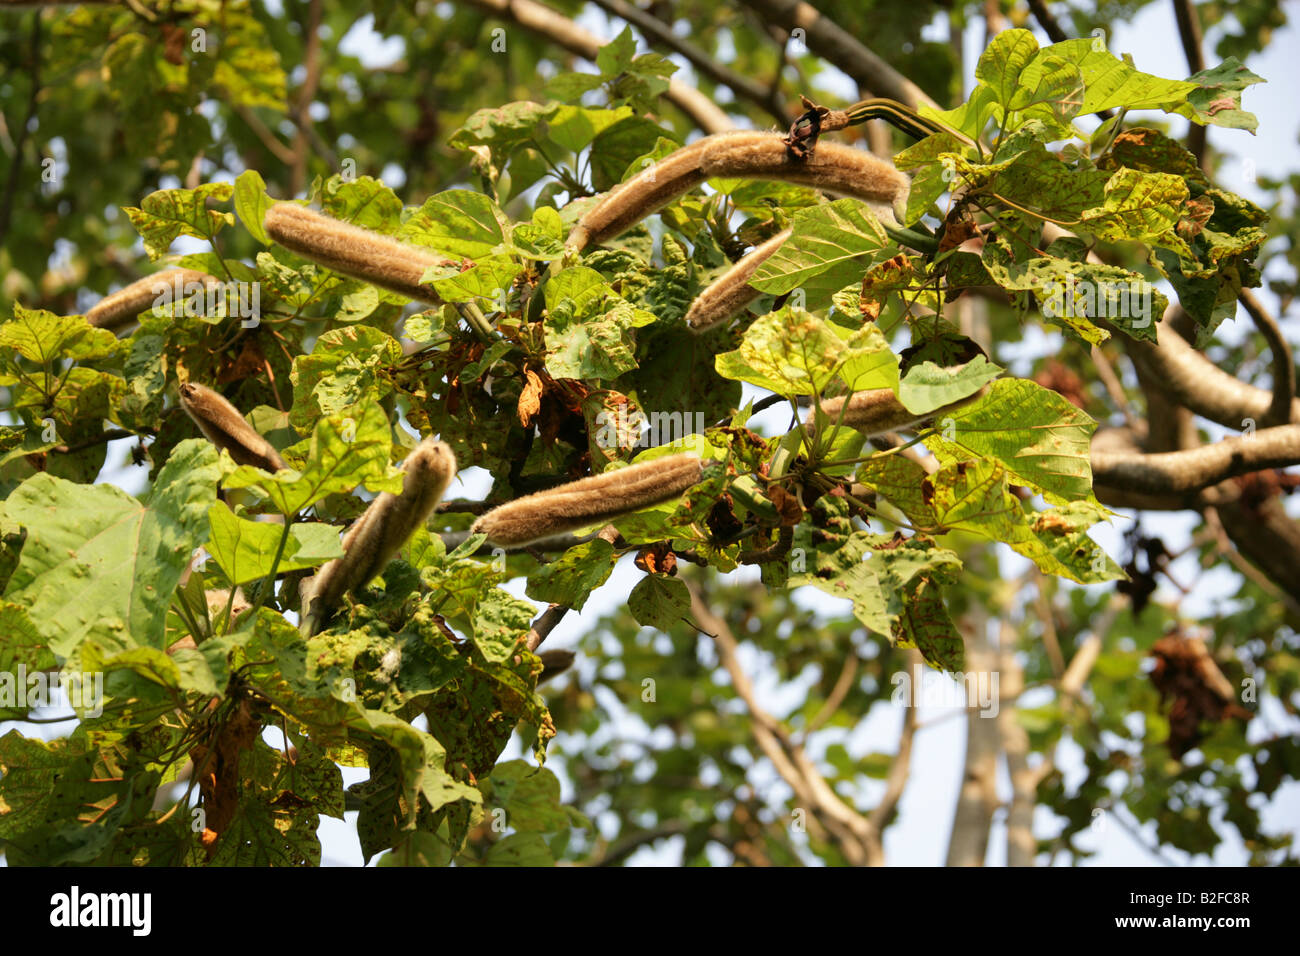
1189 32
852 832
843 684
1048 22
273 146
552 616
544 624
766 98
15 167
112 434
1106 372
1050 640
559 29
1280 412
900 769
1224 546
832 42
302 115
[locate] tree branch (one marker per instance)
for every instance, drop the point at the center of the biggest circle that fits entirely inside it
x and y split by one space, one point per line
20 141
978 797
1048 22
301 112
853 833
764 97
1196 468
1021 846
900 770
833 43
562 31
1189 32
1281 410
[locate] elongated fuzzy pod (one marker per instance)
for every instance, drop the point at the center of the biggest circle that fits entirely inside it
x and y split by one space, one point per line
732 292
115 310
222 425
749 155
878 410
353 251
375 537
645 193
588 501
554 663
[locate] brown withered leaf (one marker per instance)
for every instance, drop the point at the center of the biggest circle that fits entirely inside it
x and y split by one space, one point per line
657 558
1187 672
250 361
955 233
174 39
530 398
787 505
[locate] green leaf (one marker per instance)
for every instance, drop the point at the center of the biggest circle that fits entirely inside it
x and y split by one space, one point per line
924 624
346 367
570 580
1109 82
831 246
659 601
1140 206
245 550
168 213
500 620
503 128
490 278
1039 437
43 336
927 386
623 148
1217 97
363 201
613 58
343 454
457 222
252 202
794 353
588 328
1002 62
1072 294
97 564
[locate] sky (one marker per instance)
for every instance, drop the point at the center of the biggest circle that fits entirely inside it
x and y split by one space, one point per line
920 835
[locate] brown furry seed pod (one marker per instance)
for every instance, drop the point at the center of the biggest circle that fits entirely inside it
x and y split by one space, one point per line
554 663
878 410
600 498
742 154
116 310
832 167
645 193
353 251
375 537
732 292
222 425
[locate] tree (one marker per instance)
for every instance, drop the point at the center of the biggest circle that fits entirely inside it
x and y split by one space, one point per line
580 295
